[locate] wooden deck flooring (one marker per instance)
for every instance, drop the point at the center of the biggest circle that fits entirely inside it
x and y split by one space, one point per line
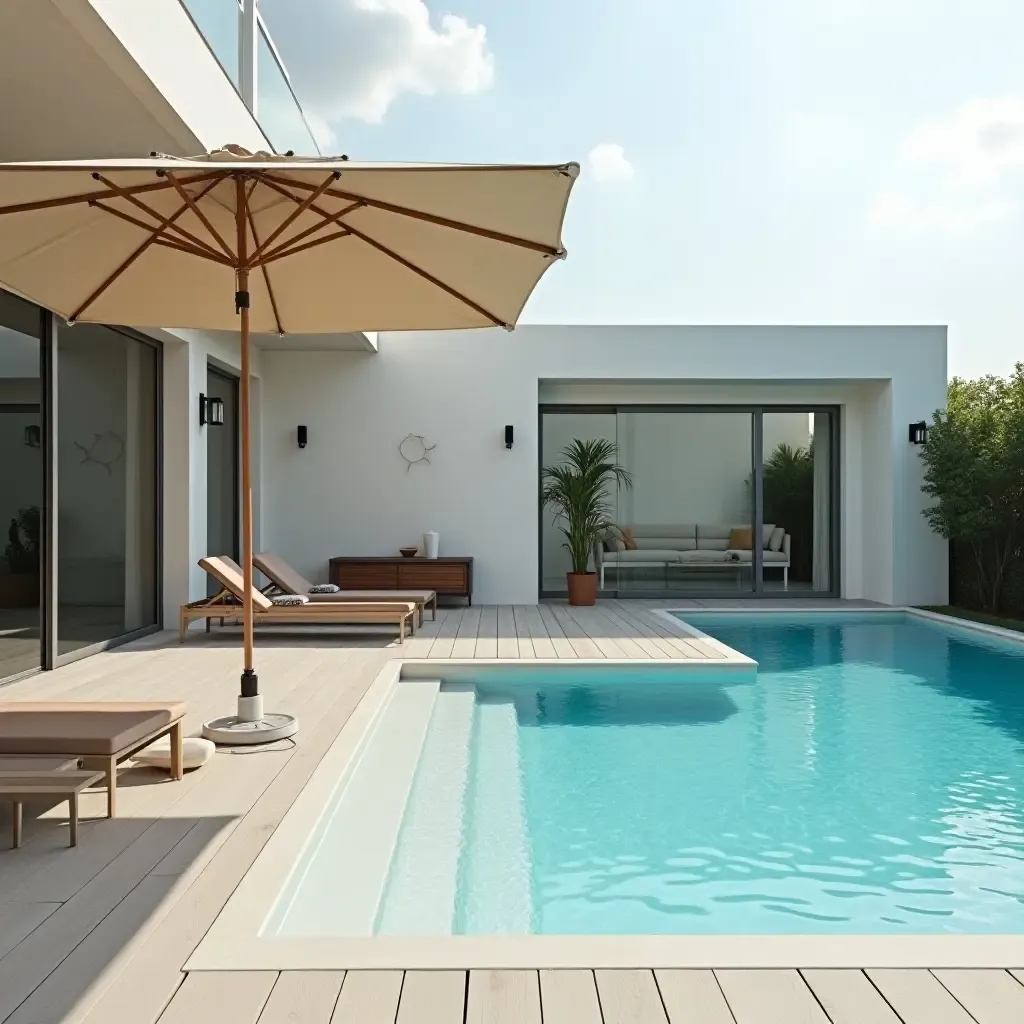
99 934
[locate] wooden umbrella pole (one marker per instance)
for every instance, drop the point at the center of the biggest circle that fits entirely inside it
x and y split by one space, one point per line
250 684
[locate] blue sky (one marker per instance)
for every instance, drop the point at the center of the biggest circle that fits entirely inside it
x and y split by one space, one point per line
745 161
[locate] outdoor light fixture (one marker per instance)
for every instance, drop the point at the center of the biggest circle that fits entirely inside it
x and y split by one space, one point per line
508 435
33 435
211 411
302 435
919 432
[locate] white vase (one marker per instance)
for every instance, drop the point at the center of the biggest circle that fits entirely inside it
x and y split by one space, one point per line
430 542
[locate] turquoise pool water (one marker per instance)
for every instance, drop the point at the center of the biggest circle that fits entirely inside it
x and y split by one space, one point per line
870 781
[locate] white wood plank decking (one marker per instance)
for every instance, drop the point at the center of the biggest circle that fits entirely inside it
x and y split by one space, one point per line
99 934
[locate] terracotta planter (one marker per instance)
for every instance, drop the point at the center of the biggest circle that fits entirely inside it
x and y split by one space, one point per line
582 587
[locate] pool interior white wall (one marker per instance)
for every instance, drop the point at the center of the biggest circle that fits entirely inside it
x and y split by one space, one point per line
351 493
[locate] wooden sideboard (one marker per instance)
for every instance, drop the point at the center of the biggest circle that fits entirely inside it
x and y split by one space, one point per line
448 576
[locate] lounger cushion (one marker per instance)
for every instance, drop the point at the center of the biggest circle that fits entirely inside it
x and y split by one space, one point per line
325 588
285 600
80 728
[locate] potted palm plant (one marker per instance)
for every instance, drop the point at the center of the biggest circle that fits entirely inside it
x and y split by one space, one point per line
19 585
577 493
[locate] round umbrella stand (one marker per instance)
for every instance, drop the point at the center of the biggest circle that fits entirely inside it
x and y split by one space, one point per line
238 731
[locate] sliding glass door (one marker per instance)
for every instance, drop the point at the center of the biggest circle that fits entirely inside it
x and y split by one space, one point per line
106 485
723 501
79 487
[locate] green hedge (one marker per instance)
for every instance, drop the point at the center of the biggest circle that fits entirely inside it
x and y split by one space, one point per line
963 590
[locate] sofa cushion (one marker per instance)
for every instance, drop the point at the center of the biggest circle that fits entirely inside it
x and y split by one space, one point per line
741 539
641 555
627 537
704 557
775 540
666 543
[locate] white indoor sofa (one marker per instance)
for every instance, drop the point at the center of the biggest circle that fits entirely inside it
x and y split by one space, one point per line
692 546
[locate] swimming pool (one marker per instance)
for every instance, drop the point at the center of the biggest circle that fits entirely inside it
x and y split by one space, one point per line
867 781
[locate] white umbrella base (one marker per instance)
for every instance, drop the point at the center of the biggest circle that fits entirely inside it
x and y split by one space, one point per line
250 725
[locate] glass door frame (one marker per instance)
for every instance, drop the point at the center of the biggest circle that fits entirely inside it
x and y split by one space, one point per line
756 412
236 455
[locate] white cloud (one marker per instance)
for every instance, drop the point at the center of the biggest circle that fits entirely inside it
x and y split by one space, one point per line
956 170
354 58
897 210
607 162
974 147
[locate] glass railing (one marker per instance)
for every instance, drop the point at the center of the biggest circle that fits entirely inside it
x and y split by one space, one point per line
277 109
219 22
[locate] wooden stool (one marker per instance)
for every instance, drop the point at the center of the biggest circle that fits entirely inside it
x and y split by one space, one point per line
66 783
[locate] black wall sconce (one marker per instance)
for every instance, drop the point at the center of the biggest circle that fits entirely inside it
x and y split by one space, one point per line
302 435
211 411
919 432
33 436
508 435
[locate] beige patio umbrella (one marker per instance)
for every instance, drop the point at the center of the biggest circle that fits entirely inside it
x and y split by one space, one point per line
278 244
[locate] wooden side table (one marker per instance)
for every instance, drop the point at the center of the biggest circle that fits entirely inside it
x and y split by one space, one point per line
66 783
450 576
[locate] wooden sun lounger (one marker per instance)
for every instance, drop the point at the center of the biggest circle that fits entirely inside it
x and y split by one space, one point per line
227 604
285 580
100 734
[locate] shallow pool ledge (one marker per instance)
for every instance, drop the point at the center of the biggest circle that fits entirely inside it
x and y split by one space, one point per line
731 667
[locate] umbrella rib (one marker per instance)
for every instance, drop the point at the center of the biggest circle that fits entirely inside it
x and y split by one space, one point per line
194 207
293 216
263 268
335 219
328 220
135 255
426 275
281 252
193 239
206 254
430 218
84 197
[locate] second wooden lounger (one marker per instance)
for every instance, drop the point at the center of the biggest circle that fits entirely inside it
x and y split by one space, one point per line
226 603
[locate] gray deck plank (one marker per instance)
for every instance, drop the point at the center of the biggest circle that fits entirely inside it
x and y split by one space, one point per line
692 997
447 631
543 647
918 997
629 997
559 641
303 997
770 997
508 641
433 997
581 644
487 637
989 996
368 997
503 997
234 997
465 640
524 640
569 997
849 997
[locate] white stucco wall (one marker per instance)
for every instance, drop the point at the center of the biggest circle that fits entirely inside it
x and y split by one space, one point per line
349 491
187 354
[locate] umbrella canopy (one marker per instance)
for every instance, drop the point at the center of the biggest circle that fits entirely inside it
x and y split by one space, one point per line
338 246
279 244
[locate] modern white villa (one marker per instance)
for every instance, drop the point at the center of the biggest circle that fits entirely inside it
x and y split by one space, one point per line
774 474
